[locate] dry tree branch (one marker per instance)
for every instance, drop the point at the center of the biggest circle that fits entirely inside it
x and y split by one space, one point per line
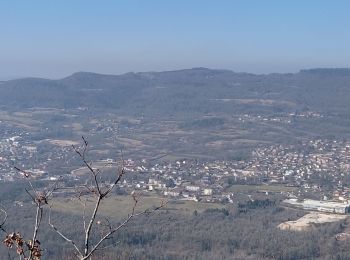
38 197
30 249
108 246
53 187
124 223
82 155
64 236
91 222
38 218
26 175
84 216
4 220
100 193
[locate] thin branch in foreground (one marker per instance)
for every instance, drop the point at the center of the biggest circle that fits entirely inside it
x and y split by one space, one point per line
4 220
30 249
64 236
99 192
123 224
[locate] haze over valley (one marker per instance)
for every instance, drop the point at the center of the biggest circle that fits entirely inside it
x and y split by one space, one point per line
184 129
199 112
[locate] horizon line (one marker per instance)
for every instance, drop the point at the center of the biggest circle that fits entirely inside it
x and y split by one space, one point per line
10 78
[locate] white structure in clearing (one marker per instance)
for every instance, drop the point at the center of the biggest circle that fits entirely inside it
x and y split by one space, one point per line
323 206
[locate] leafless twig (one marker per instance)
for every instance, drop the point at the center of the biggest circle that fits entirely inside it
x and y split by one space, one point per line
100 193
30 249
64 236
4 220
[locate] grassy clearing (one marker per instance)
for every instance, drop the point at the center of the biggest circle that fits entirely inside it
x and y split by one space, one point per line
128 142
77 127
23 120
254 188
62 143
119 207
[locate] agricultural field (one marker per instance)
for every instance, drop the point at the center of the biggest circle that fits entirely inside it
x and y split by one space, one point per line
118 207
261 188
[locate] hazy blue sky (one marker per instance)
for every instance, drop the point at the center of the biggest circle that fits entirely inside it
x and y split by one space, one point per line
56 38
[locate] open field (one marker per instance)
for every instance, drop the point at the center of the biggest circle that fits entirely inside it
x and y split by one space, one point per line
120 206
264 102
128 142
175 156
101 165
77 127
21 120
62 143
254 188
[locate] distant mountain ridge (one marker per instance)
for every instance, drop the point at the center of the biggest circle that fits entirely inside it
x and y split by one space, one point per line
197 90
86 74
328 71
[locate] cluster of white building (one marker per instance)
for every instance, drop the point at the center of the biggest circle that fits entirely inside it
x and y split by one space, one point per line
323 206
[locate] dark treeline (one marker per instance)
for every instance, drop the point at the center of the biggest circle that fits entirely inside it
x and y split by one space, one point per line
213 234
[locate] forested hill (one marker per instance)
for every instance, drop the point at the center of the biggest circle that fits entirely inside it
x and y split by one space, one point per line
197 91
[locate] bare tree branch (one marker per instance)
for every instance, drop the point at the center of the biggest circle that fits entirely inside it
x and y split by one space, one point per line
63 236
124 223
38 218
26 175
30 250
100 192
88 229
4 220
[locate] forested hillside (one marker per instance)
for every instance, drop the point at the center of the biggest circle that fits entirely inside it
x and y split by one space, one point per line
197 90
